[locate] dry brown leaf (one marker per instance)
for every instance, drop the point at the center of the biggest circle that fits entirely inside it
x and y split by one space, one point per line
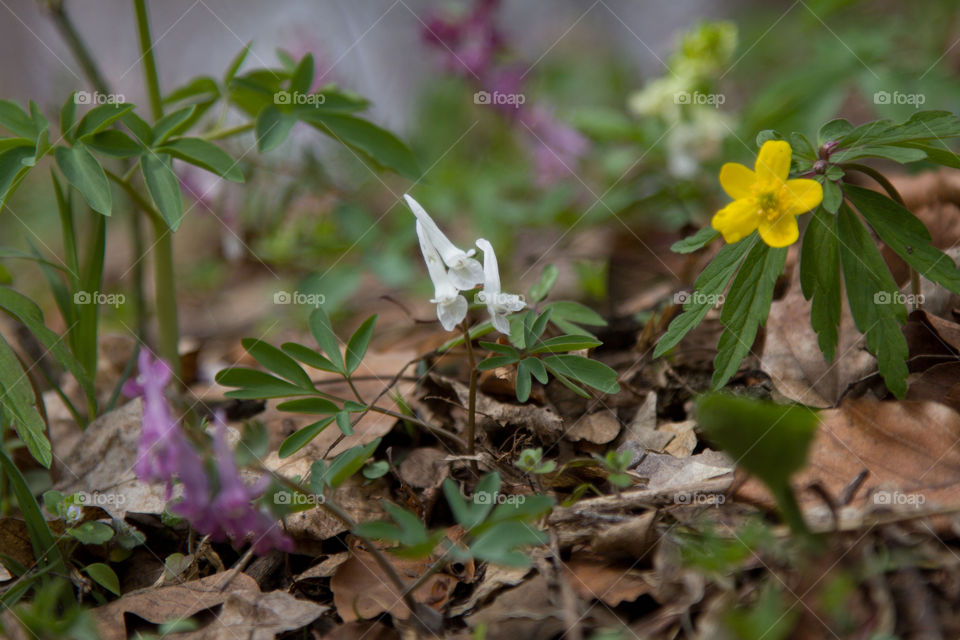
595 579
792 358
600 427
361 591
166 604
683 438
909 449
258 616
665 472
940 383
495 577
630 539
525 611
424 467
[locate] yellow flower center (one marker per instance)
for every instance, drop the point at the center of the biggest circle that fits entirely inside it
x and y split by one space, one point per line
769 202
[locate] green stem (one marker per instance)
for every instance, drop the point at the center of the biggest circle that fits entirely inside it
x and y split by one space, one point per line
77 47
149 63
472 408
220 134
895 195
166 294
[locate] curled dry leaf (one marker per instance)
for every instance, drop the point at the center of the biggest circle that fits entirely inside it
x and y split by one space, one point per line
596 579
260 615
361 591
600 427
908 448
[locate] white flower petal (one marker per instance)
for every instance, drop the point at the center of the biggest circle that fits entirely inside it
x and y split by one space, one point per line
451 255
453 313
491 270
466 275
500 323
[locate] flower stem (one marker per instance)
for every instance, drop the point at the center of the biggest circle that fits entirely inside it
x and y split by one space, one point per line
166 295
895 195
472 408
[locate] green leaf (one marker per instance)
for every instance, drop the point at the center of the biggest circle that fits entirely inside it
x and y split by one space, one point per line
15 119
820 280
936 151
12 169
548 278
92 532
471 515
524 381
906 235
326 338
278 362
349 462
115 143
768 440
903 155
235 65
164 188
171 124
766 135
17 402
142 131
359 341
565 344
745 308
272 128
874 299
302 77
537 369
205 155
832 196
201 89
68 117
376 469
710 283
923 125
802 147
45 550
497 361
343 423
99 118
379 144
567 315
84 172
833 130
104 576
502 349
697 241
589 372
320 406
308 356
497 545
255 384
26 311
299 439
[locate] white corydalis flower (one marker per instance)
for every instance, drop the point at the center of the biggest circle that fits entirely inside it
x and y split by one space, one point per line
465 272
499 304
451 306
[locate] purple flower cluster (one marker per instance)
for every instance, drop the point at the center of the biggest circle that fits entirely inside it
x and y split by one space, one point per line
471 44
165 453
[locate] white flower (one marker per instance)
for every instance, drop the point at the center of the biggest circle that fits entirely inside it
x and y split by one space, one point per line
465 272
499 304
451 306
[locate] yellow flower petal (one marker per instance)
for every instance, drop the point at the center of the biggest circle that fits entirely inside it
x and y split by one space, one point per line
737 220
800 195
736 180
773 161
782 232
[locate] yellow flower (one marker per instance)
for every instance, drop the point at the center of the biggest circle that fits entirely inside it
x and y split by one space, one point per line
764 198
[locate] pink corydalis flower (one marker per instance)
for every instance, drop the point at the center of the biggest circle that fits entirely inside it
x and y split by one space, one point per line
469 42
233 512
161 442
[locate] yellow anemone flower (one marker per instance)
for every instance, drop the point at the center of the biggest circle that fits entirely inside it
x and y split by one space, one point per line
764 198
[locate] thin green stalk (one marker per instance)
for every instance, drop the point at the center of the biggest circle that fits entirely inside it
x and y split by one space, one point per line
166 295
895 195
76 45
472 408
220 134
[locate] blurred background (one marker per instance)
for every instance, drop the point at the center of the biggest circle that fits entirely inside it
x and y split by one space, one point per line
582 134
